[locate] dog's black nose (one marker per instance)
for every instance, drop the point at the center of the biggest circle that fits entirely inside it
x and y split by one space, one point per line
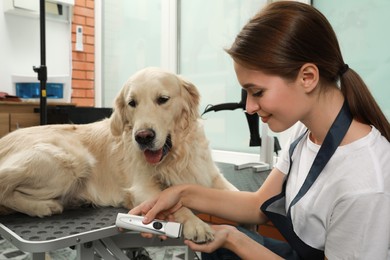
145 137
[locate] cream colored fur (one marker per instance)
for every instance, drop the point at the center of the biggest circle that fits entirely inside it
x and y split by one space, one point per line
45 169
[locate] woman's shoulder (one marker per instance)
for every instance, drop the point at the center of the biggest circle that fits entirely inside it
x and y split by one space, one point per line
380 147
366 160
373 140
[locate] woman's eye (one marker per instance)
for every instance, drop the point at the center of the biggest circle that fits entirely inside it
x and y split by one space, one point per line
258 93
162 100
132 103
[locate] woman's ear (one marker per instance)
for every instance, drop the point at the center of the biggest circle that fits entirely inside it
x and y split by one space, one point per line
308 77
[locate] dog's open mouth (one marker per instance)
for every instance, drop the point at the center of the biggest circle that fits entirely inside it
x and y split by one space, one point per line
156 156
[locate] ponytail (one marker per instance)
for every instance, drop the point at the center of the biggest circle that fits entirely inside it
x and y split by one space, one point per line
362 104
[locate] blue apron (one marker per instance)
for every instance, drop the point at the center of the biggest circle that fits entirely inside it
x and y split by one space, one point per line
275 207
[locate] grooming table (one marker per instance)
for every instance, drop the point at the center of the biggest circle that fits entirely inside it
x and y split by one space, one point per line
91 231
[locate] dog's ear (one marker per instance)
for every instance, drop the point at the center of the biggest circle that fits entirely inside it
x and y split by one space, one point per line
190 105
117 119
191 97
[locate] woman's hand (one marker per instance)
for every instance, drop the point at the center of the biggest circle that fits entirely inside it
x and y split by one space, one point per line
221 236
231 238
166 203
161 207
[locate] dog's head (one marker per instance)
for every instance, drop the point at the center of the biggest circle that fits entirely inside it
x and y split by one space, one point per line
152 107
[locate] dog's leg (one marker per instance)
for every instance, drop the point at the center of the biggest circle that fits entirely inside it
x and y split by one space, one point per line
193 227
28 205
39 181
20 195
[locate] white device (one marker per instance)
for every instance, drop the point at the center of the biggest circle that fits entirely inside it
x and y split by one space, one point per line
79 38
158 227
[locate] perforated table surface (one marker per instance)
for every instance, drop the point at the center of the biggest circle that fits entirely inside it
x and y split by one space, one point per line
58 231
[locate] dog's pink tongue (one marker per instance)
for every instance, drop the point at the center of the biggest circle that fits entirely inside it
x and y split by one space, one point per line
153 156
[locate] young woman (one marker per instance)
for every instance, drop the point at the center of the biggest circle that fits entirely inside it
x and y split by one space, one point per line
329 194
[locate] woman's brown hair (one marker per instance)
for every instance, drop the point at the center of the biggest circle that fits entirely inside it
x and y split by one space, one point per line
285 35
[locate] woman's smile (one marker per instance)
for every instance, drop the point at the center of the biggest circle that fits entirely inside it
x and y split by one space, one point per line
265 119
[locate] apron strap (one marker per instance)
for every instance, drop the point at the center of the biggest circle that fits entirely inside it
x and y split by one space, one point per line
275 207
332 140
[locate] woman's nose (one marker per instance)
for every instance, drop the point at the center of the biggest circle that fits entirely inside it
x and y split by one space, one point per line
251 106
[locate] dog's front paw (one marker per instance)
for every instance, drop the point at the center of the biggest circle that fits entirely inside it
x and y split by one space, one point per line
197 231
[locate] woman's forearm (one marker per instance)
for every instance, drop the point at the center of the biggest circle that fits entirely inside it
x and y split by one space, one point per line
238 206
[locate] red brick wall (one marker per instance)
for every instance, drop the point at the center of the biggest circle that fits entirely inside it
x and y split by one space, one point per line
83 62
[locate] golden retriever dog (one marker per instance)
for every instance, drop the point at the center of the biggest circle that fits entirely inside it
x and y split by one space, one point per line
153 139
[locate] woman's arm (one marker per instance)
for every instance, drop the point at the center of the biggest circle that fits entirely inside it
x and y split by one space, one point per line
238 206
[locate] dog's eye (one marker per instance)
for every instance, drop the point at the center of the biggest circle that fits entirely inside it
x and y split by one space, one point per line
162 100
132 103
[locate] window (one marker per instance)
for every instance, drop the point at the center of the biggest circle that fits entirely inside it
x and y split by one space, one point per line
131 40
204 62
134 36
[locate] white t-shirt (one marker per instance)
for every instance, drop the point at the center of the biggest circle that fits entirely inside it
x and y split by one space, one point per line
346 212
